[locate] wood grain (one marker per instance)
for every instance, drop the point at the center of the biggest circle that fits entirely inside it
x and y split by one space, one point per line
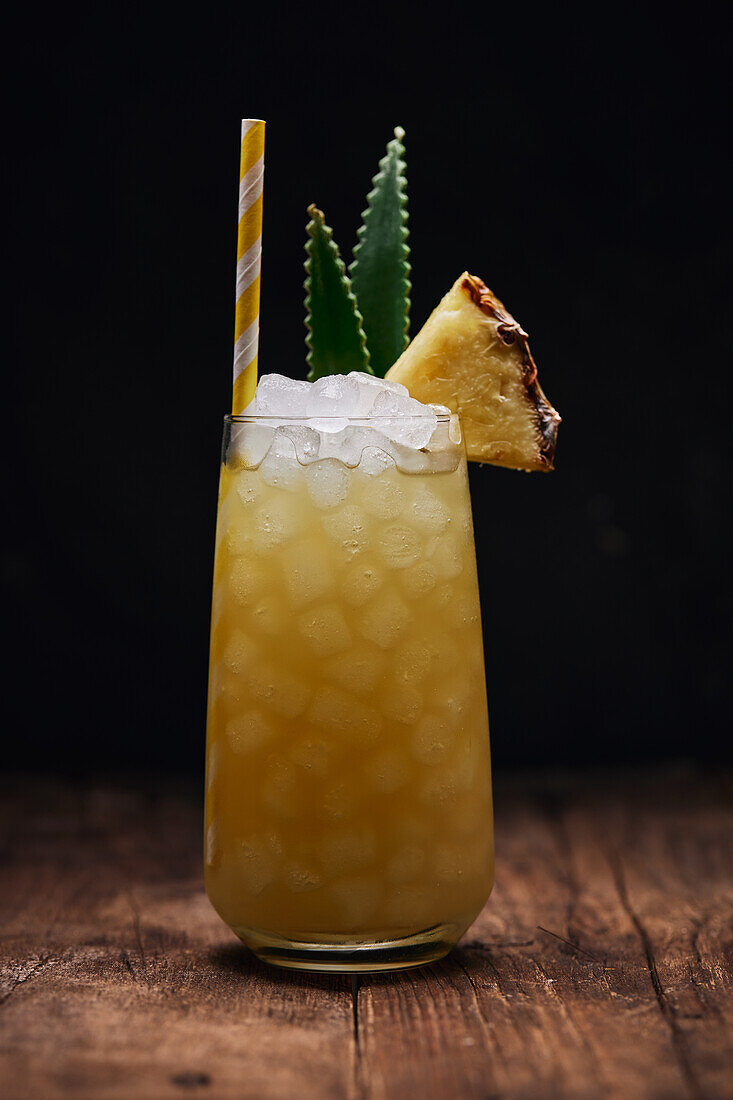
601 967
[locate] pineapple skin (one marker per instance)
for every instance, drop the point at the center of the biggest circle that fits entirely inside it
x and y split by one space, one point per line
472 356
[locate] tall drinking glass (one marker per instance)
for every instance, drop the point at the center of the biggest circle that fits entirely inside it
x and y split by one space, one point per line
348 804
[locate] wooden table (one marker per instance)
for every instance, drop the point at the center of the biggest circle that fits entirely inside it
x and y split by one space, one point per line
601 966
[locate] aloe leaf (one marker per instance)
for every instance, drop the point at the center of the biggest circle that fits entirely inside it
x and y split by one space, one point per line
335 339
380 270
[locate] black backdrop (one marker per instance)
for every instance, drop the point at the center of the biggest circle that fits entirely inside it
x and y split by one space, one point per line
575 165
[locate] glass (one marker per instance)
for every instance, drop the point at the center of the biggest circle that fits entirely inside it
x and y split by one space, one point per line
348 789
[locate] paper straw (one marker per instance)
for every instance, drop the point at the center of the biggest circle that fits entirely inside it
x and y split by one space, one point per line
249 254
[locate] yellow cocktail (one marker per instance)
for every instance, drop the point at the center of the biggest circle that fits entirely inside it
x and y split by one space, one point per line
348 811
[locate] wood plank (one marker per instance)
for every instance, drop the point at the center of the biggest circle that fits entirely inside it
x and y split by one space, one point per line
117 979
673 866
529 1015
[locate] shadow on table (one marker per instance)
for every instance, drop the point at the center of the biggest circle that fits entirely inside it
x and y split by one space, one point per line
235 961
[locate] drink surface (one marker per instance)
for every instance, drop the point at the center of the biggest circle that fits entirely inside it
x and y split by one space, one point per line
348 770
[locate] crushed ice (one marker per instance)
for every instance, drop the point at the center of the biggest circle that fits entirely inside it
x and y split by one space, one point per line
311 422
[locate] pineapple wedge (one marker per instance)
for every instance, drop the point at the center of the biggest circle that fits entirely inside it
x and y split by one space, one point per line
472 356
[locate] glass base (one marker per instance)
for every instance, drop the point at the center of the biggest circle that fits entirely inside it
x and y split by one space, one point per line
349 954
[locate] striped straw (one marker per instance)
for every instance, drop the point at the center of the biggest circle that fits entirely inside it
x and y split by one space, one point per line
249 253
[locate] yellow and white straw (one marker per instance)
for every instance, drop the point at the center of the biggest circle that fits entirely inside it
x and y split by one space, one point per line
249 255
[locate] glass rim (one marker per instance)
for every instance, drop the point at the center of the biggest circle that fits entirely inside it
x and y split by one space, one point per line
276 420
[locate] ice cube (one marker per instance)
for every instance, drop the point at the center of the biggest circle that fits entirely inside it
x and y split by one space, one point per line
375 461
465 611
444 596
412 662
360 584
432 739
401 701
387 772
279 396
247 581
249 488
418 580
308 575
238 652
348 529
412 460
427 512
249 443
311 753
334 395
236 540
358 670
305 440
350 443
410 422
346 851
328 482
454 694
226 690
277 689
248 732
280 467
385 619
345 715
280 773
277 521
325 630
369 382
399 546
383 499
395 402
258 863
335 398
366 389
447 557
444 652
268 616
339 802
328 426
301 878
439 791
353 393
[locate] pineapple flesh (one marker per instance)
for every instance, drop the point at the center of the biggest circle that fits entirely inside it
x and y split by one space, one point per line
472 356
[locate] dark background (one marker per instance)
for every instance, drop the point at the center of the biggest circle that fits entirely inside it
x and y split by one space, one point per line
576 163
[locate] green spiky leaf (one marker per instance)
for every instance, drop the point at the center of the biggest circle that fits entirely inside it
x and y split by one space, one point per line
380 272
336 341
